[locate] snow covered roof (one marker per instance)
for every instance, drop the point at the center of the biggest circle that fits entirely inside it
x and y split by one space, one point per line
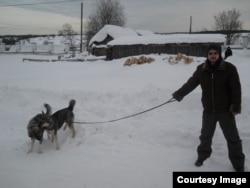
113 31
127 36
144 32
169 39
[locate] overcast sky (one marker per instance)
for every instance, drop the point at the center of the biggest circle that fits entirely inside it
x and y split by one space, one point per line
155 15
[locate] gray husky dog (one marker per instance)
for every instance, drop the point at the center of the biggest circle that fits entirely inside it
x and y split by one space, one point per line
60 117
37 125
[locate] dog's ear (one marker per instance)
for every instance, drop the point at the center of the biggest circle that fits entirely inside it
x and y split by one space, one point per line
43 113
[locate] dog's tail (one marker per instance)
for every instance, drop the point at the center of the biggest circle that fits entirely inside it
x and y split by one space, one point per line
72 103
48 109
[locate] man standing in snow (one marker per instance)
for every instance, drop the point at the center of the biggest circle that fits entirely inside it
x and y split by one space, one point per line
228 53
221 100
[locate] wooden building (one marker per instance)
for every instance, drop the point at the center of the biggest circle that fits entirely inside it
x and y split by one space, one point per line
116 42
98 44
189 49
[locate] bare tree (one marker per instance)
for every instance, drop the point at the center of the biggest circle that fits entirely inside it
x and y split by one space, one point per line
106 12
228 22
68 32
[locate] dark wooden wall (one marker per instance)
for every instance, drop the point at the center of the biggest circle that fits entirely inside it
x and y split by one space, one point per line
119 51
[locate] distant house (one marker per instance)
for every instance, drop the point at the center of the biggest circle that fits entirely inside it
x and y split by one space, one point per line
117 42
98 43
241 40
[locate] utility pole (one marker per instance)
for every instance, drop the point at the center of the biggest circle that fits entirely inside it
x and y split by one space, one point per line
190 28
81 27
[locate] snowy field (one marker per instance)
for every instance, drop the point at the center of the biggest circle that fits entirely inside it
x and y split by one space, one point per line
138 152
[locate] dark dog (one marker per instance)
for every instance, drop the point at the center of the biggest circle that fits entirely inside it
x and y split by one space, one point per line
60 117
37 125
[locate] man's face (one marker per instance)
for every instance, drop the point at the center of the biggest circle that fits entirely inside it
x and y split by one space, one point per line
213 56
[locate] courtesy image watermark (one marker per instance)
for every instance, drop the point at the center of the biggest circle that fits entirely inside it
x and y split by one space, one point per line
211 179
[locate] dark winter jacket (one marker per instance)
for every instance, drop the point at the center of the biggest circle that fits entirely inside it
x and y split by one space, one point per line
221 88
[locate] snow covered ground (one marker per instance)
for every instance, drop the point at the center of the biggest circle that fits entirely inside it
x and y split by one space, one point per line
138 152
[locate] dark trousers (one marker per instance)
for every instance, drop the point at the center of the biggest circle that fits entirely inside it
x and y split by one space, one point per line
230 131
